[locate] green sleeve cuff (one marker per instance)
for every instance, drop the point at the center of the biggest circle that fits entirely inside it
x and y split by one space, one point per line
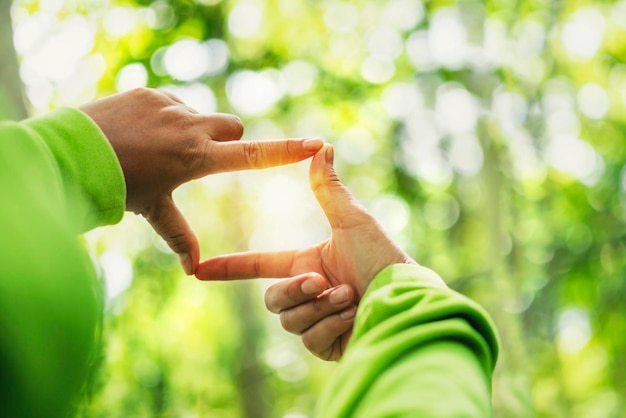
92 175
405 286
415 274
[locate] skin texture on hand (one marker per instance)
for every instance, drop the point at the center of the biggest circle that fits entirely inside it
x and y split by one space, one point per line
356 252
161 143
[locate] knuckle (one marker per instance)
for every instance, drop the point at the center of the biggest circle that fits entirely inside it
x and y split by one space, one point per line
293 293
235 126
178 243
270 300
253 153
287 323
311 344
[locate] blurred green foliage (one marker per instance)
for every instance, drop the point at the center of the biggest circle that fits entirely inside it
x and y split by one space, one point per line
488 138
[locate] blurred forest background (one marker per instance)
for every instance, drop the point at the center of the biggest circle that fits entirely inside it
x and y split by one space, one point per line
488 138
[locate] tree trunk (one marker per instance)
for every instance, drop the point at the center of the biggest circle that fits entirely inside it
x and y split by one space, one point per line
12 103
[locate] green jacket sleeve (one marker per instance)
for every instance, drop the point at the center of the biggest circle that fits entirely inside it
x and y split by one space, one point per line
58 176
418 349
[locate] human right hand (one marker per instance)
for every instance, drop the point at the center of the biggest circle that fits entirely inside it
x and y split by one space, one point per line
356 252
161 143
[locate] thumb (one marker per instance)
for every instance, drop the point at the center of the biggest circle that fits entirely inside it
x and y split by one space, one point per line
338 203
169 223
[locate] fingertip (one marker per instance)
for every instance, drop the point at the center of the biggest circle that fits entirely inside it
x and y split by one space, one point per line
203 271
313 285
312 144
187 263
348 313
329 154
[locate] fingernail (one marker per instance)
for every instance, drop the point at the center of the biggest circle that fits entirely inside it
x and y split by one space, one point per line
339 295
185 261
348 313
312 144
311 287
330 154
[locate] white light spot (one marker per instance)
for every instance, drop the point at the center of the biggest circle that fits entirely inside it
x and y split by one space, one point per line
218 54
466 155
564 121
618 14
448 38
58 57
245 20
119 21
131 76
402 99
385 42
298 77
403 14
33 31
160 15
576 157
574 330
457 110
593 101
252 93
582 34
377 70
356 145
341 17
40 94
279 196
118 273
197 96
392 212
51 6
510 110
186 60
441 213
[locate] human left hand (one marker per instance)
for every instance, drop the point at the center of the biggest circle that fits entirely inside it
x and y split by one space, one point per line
161 143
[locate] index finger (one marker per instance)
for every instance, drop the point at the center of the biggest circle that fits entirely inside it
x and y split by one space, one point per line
246 155
248 265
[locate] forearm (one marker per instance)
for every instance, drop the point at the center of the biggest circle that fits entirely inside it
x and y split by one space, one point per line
50 302
417 348
92 179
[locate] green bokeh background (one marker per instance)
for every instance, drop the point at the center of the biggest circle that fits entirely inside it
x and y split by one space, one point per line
488 138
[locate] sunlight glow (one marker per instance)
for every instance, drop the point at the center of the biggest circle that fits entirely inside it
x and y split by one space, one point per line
466 154
198 96
403 14
119 21
31 32
297 77
377 70
253 93
582 34
392 212
574 330
341 17
356 145
245 20
57 58
186 60
442 212
457 110
593 101
385 42
447 38
510 110
418 51
576 157
118 273
131 76
402 99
